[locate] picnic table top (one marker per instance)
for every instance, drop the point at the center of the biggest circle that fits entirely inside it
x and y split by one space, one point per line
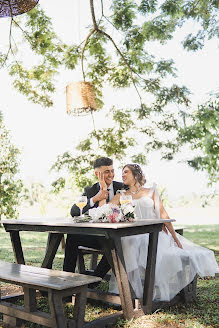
69 222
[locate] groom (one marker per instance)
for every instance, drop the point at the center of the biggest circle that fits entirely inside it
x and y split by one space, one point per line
95 194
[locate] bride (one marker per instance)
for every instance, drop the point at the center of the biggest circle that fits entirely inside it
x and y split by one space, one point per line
178 260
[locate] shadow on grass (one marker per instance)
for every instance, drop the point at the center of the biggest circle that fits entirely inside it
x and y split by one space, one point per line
201 313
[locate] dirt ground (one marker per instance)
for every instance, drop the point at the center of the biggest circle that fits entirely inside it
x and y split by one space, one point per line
10 290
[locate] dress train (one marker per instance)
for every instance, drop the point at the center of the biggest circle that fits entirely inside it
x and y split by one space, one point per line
175 267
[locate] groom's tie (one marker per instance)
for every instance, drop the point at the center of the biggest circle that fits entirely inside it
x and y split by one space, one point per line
108 196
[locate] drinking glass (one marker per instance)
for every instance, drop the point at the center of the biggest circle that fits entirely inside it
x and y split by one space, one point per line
81 201
125 199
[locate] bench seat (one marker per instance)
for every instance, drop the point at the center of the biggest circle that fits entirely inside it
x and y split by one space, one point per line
58 284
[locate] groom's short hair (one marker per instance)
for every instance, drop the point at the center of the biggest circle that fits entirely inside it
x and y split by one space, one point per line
102 161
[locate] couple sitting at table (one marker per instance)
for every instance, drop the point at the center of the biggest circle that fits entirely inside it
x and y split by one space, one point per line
178 259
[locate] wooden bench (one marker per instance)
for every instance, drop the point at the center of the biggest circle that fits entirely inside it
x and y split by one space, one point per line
93 261
179 230
95 252
58 284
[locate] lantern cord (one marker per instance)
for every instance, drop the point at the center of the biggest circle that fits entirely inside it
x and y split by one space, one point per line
96 29
10 47
10 34
79 22
82 52
92 115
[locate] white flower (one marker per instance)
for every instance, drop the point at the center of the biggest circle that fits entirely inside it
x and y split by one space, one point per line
112 213
107 209
100 212
127 208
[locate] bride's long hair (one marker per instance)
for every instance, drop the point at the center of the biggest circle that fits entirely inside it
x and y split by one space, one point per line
137 173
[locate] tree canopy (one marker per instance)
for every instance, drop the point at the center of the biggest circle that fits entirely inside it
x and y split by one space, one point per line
10 186
116 52
135 25
202 135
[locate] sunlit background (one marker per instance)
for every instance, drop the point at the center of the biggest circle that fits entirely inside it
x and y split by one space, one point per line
43 134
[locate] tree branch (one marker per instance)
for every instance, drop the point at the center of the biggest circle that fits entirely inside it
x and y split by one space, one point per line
123 58
195 4
83 49
96 28
93 14
102 7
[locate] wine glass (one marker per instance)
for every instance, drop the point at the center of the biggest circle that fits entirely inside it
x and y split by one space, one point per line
125 199
81 201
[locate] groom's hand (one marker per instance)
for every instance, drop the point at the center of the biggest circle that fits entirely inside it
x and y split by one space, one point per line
103 185
102 194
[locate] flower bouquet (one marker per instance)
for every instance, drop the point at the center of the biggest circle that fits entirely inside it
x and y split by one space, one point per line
113 213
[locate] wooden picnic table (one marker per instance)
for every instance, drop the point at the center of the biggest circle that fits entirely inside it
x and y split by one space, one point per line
110 236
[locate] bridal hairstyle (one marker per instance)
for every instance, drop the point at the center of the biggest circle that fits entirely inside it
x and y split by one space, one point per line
137 173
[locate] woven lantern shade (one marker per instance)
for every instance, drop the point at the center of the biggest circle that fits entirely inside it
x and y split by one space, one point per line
10 8
80 99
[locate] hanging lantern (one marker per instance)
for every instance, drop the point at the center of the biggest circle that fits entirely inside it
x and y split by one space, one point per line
80 98
10 8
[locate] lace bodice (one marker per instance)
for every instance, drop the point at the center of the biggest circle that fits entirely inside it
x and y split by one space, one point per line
145 207
144 202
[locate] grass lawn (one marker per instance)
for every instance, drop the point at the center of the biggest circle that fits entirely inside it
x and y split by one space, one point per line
202 313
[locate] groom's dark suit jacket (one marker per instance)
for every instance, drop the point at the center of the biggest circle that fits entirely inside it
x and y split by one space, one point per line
91 192
73 241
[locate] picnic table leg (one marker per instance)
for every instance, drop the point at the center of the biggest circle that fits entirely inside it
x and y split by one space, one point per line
29 299
56 308
53 242
93 262
150 272
17 247
107 250
79 307
122 280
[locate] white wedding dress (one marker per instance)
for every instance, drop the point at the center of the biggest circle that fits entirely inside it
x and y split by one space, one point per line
175 267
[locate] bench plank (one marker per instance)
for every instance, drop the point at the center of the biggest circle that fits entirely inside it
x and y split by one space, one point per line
47 278
17 311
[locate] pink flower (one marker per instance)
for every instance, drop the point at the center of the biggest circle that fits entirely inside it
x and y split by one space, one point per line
112 218
116 214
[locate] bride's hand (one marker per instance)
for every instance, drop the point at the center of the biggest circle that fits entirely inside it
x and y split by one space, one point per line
103 185
165 229
178 243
